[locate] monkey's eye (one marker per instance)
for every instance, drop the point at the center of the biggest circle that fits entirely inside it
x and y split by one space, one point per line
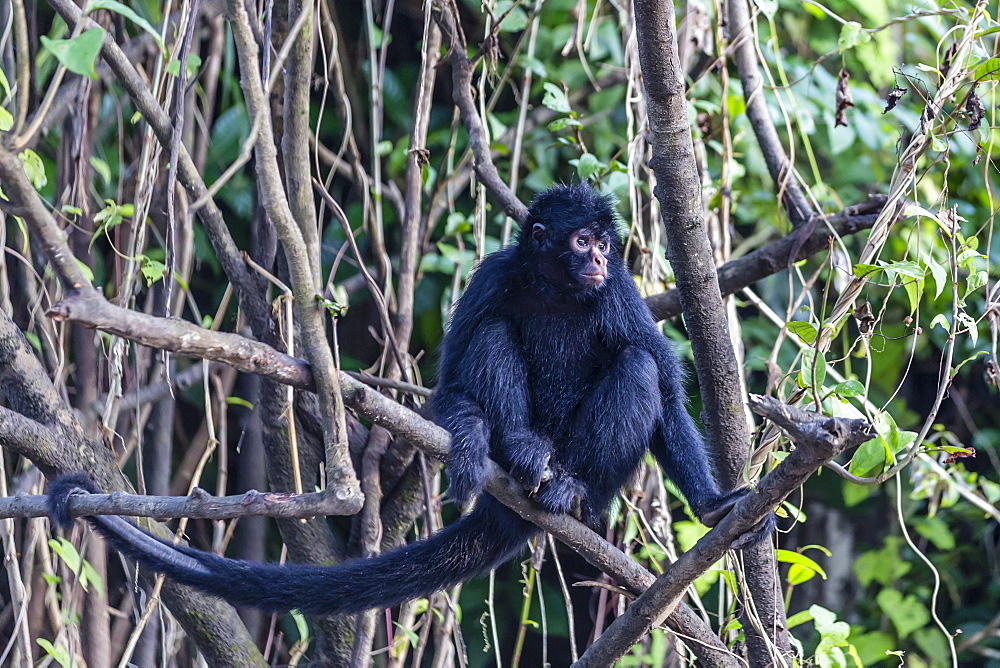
581 242
602 246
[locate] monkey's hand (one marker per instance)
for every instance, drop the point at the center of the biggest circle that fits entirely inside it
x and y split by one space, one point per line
467 473
712 513
528 458
562 494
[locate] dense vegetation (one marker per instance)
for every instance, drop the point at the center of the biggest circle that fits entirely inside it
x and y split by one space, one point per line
372 215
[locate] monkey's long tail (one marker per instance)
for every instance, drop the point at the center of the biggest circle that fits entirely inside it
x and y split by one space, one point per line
485 538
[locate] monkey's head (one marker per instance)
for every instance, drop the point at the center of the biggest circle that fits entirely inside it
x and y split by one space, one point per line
571 237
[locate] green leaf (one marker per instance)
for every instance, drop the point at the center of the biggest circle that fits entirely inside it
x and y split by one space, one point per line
34 168
988 70
862 270
6 120
869 459
906 268
102 168
87 271
852 34
968 257
767 7
59 654
4 84
939 275
555 98
914 289
67 552
564 122
193 63
907 614
812 359
802 567
805 331
800 617
516 21
152 270
936 531
238 401
588 165
78 54
849 388
90 578
941 320
974 281
127 12
883 566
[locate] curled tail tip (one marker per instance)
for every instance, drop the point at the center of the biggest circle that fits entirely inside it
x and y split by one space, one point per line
61 489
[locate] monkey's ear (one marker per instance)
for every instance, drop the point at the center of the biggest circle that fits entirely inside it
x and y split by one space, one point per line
538 232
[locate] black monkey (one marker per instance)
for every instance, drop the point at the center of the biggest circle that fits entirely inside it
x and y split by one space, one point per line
552 366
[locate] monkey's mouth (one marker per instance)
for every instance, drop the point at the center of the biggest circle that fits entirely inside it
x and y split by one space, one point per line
592 280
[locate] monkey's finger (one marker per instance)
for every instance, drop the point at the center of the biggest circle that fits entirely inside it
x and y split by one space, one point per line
759 532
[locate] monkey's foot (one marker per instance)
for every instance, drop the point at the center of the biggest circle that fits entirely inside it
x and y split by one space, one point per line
562 494
530 456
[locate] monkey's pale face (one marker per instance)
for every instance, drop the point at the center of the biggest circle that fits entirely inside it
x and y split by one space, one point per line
588 263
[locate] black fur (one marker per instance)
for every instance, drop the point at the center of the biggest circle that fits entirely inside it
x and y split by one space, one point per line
564 383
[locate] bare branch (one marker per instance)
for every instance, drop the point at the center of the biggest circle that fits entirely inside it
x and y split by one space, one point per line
462 69
782 171
249 287
180 336
817 440
197 505
779 255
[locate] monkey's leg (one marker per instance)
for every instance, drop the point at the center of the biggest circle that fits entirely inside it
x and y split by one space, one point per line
612 431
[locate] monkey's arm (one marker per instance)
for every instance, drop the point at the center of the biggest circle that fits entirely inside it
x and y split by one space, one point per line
483 401
680 449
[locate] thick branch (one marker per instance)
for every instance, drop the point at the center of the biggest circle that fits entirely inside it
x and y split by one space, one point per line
779 255
817 440
88 308
679 191
678 188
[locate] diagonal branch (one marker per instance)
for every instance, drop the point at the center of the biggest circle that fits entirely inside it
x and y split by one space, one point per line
780 167
780 254
462 68
817 439
678 188
309 313
249 287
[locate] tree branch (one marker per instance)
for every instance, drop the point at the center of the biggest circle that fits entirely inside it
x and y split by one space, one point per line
306 287
678 188
780 254
817 439
462 69
197 505
248 286
782 171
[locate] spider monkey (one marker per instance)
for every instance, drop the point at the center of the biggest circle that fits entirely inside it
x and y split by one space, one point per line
553 367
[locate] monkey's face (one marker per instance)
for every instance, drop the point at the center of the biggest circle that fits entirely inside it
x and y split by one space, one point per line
588 259
575 260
